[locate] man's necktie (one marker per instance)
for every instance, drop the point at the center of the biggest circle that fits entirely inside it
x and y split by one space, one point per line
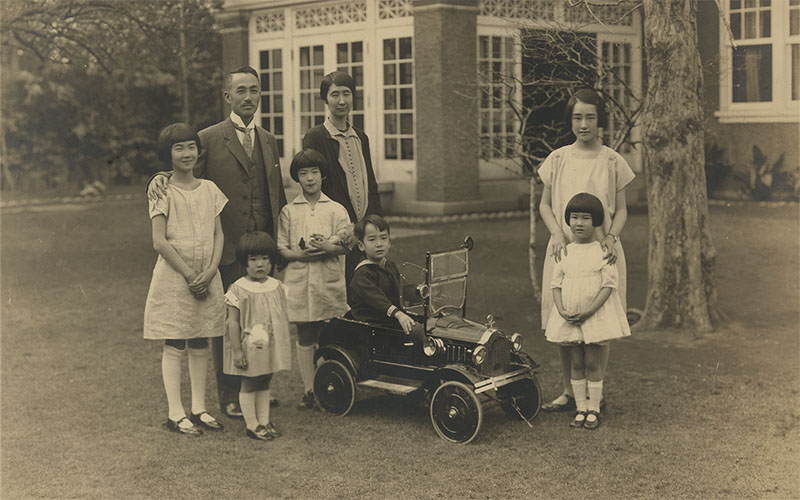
248 142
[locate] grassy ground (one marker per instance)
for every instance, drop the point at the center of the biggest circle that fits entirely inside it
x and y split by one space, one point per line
688 417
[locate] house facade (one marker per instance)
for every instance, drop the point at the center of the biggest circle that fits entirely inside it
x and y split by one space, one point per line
751 58
442 137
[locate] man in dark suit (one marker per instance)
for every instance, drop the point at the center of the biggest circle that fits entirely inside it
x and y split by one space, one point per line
243 160
351 179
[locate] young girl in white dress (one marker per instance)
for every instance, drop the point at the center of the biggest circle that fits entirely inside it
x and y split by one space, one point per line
185 303
313 235
587 311
256 342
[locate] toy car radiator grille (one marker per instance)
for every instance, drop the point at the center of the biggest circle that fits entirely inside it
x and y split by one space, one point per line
458 353
498 357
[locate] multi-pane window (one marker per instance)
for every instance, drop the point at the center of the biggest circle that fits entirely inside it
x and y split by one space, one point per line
751 26
350 59
398 98
616 76
794 46
272 94
760 61
497 123
311 66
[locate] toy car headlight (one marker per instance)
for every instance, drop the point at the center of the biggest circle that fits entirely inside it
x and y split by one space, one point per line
479 355
432 346
423 291
516 340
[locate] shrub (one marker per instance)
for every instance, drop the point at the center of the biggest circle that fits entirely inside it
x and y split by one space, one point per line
716 168
763 180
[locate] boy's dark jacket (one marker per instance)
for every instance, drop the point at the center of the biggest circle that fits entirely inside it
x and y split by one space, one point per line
373 290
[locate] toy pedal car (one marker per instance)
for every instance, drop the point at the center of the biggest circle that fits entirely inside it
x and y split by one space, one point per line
461 366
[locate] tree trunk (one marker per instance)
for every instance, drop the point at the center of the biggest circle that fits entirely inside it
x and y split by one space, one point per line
184 68
537 291
681 285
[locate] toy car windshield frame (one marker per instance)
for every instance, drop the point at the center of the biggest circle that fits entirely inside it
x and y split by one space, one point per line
447 280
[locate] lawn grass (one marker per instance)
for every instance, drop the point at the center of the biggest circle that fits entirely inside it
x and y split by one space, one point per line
689 416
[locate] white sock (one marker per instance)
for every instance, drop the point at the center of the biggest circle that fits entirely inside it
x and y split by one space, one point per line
262 407
579 387
305 360
198 373
171 372
247 401
595 395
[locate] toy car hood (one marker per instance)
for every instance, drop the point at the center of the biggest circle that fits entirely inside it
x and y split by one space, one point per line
452 327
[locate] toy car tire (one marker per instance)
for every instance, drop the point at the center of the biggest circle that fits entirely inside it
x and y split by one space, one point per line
334 387
526 401
456 412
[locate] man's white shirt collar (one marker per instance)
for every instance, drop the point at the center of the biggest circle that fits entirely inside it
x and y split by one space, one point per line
237 120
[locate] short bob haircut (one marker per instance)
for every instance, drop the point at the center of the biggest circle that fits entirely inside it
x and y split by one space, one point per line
242 69
257 243
587 204
172 134
374 219
306 159
336 78
586 96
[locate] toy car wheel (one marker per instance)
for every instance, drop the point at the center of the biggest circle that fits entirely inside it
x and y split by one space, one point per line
525 402
334 387
456 412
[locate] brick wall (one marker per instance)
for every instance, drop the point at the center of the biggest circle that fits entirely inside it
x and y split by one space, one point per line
445 60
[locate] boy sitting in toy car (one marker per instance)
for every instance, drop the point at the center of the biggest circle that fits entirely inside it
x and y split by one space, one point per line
375 289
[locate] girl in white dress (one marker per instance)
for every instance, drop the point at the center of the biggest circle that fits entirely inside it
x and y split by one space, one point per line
313 235
256 342
185 302
587 311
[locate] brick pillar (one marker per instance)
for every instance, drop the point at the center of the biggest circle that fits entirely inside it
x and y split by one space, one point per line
234 32
235 43
445 40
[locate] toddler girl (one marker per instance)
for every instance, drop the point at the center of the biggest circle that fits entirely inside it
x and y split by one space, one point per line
313 235
587 312
185 302
585 166
256 342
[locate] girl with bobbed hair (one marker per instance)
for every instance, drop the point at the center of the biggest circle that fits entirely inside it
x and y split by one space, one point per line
185 305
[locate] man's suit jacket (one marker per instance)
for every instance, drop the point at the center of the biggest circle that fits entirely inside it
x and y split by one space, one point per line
224 161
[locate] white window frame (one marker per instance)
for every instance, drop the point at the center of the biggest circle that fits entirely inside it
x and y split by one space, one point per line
392 170
634 156
631 34
259 42
790 40
488 168
781 109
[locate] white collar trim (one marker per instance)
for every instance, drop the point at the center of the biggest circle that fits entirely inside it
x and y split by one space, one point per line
254 286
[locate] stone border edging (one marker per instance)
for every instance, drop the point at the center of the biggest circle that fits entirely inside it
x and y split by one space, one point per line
437 219
399 219
28 202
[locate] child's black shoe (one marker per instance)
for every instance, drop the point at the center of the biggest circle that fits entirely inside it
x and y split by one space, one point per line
272 430
307 402
188 430
592 423
260 434
579 420
209 422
